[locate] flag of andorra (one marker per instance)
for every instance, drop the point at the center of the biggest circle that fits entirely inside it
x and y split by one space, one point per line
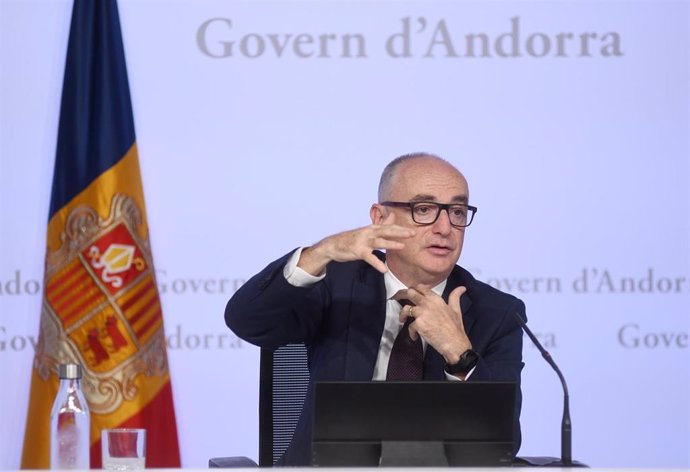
101 307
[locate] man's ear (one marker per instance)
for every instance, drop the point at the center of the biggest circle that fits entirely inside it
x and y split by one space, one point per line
377 213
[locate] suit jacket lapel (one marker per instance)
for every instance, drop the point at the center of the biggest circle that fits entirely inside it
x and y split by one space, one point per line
458 277
365 327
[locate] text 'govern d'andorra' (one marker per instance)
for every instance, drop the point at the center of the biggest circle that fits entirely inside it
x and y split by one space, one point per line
416 37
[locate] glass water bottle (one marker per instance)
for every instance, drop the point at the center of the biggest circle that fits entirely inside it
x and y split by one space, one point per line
69 422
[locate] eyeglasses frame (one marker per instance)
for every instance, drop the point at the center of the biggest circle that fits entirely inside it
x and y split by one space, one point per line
441 207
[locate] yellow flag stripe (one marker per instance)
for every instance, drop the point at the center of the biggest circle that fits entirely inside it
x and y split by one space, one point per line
57 282
80 289
131 296
123 178
141 304
144 316
75 276
152 327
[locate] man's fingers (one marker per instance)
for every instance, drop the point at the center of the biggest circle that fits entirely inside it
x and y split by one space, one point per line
405 312
412 295
375 262
454 299
392 231
384 237
413 332
381 243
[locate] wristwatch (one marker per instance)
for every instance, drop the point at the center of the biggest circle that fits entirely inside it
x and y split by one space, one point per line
467 361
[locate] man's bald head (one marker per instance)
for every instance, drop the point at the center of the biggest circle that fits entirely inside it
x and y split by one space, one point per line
390 172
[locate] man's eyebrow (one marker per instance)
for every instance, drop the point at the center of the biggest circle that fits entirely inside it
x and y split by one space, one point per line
422 197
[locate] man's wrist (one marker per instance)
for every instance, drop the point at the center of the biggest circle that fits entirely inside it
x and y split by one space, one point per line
313 261
467 361
296 276
452 352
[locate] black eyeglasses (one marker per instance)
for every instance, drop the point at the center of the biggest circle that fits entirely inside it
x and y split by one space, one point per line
426 213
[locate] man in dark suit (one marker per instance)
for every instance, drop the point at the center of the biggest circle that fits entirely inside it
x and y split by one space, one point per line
353 306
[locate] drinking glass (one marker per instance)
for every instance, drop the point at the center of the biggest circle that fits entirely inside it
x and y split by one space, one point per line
123 449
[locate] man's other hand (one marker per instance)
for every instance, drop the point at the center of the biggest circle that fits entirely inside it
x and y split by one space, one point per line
439 323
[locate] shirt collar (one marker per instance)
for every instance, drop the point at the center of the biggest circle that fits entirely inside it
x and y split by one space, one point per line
393 285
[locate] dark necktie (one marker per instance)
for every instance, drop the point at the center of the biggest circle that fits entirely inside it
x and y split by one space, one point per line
407 356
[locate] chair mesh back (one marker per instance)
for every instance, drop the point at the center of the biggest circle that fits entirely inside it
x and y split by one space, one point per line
284 380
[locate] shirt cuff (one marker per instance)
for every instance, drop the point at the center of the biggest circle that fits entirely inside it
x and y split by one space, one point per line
458 379
296 276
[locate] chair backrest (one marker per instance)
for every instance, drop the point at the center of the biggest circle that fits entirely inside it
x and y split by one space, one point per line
283 386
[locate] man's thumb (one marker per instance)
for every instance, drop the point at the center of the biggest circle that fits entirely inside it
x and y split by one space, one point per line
454 299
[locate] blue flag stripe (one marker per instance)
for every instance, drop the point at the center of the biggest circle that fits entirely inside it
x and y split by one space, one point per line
96 125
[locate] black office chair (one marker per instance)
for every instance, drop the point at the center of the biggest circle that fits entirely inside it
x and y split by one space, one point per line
282 388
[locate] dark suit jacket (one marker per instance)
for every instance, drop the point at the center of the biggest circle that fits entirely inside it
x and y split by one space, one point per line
341 320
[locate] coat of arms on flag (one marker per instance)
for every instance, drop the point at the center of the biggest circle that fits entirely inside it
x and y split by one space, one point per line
101 305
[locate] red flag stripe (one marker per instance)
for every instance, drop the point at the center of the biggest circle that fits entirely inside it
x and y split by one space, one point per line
61 295
137 294
141 332
57 281
78 310
84 288
135 316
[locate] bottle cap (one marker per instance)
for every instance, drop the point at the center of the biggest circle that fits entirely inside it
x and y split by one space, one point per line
69 371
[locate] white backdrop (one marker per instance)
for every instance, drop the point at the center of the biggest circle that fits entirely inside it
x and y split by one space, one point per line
572 127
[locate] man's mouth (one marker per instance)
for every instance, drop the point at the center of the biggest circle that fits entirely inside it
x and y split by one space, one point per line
439 249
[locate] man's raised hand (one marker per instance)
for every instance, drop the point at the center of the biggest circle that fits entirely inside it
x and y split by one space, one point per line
356 244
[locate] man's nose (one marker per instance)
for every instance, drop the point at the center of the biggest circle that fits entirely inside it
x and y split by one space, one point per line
442 224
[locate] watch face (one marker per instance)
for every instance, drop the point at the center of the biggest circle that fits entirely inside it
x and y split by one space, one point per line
468 359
